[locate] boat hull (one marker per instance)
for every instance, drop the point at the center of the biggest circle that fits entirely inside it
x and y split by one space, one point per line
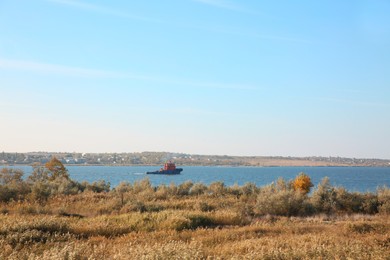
167 172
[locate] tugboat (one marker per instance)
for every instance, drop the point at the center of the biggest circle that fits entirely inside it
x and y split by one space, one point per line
169 169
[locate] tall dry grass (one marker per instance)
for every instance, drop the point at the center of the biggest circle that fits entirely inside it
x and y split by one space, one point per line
194 221
113 237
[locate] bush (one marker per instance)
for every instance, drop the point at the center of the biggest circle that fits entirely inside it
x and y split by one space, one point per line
370 204
8 176
98 186
324 198
142 185
348 202
198 189
302 183
66 186
56 169
184 188
328 199
14 191
39 174
121 189
217 188
40 191
249 188
384 200
162 192
12 186
282 202
235 190
7 194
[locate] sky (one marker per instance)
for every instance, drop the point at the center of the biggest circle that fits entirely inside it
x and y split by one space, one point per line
223 77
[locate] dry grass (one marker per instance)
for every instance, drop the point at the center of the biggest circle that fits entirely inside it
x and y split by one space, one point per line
57 218
281 239
98 226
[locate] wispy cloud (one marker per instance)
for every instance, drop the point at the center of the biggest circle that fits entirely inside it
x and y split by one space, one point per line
225 5
70 71
102 9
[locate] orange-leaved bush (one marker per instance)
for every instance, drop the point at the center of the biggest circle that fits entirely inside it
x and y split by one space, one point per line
302 183
57 169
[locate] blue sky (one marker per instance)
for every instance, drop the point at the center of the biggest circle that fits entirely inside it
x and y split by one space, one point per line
290 78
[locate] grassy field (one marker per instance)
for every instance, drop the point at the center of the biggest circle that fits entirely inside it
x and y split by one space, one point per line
161 223
50 216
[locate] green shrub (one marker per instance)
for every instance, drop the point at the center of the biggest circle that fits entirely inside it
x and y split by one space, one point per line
7 194
65 186
324 198
13 191
370 203
280 202
281 199
12 186
39 174
347 202
40 191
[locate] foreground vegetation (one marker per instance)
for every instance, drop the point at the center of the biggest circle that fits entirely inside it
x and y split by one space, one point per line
50 216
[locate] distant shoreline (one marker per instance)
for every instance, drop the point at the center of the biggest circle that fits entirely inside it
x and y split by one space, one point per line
159 158
226 166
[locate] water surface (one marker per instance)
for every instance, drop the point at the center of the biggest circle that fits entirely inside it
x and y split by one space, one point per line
360 179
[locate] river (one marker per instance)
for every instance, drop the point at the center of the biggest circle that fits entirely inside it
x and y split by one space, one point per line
361 179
